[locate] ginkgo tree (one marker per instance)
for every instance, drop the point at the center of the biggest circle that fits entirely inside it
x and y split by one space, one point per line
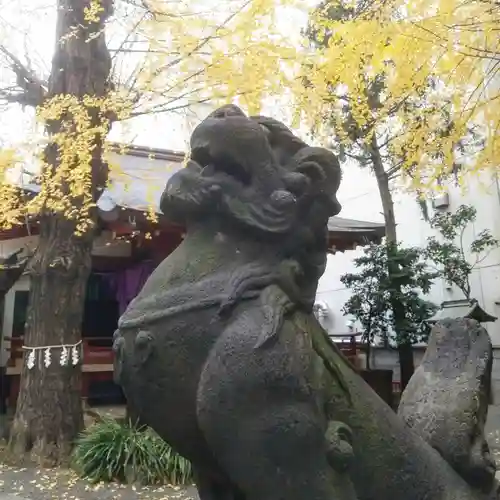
370 140
442 56
389 103
113 61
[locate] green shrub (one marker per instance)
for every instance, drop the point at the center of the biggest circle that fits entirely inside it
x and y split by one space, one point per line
115 451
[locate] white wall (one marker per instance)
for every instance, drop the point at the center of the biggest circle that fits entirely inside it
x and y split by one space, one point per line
360 200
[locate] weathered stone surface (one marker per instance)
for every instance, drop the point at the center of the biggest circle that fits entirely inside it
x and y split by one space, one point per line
207 354
446 400
221 354
390 461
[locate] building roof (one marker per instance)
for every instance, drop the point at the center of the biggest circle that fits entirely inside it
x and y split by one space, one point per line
360 232
462 308
340 224
138 185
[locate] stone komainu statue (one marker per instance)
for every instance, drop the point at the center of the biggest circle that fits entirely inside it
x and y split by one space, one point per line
221 354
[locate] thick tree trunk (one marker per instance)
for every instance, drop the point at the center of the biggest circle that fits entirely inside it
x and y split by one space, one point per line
405 349
49 410
49 414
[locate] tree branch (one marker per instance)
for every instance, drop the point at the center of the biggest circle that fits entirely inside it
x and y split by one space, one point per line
164 108
204 41
29 90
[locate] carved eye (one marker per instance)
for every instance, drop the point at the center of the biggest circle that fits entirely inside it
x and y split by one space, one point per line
201 155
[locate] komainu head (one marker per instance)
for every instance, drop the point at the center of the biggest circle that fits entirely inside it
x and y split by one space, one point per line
252 171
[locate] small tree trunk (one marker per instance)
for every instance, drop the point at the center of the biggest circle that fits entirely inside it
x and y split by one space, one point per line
49 411
405 350
384 191
406 363
368 354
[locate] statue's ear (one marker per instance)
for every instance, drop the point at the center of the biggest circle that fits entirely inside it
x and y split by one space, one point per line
318 163
313 171
323 171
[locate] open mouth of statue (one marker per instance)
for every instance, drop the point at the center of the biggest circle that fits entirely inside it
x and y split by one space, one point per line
220 165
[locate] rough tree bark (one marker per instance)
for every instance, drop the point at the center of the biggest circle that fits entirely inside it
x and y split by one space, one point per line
405 349
49 410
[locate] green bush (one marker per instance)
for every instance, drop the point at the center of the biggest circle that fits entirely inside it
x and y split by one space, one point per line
111 450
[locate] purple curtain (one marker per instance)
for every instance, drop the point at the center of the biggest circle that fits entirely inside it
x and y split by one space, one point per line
126 284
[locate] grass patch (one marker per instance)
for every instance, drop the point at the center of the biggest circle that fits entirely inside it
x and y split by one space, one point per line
110 450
